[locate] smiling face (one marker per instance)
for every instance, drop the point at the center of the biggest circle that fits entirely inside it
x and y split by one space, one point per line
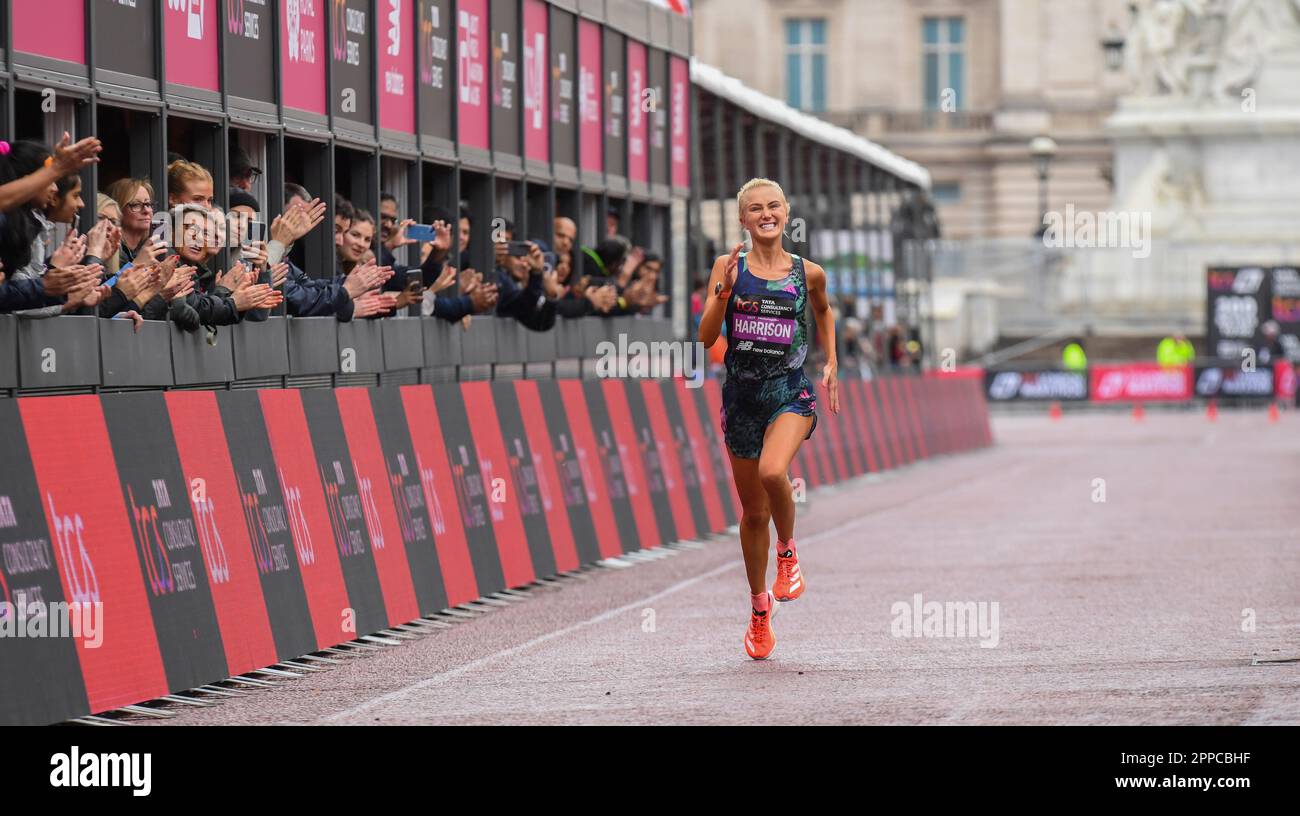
356 241
67 205
764 212
198 238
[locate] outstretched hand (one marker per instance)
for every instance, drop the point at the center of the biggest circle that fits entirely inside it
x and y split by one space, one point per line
729 274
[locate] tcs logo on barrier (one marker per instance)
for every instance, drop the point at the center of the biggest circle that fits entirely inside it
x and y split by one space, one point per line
157 564
302 543
78 571
214 552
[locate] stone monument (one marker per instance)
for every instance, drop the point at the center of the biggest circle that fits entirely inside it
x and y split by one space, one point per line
1209 139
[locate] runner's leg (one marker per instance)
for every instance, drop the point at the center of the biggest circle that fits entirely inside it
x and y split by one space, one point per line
754 520
780 444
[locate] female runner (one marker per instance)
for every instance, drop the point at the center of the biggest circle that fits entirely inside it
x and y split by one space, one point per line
768 404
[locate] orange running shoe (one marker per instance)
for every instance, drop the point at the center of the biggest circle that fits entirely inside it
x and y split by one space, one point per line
789 578
759 639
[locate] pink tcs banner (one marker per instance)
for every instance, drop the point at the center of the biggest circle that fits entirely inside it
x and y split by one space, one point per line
303 54
395 27
1139 382
1284 380
537 124
959 373
471 72
680 122
36 32
590 133
191 42
638 117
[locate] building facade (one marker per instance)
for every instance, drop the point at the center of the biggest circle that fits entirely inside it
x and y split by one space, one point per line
960 86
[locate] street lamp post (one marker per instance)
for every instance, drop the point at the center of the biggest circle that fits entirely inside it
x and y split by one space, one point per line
1043 149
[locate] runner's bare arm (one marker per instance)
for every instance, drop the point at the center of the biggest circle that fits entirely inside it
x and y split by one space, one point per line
721 279
825 319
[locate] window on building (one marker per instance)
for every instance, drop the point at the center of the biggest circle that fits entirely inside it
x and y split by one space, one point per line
943 51
946 192
805 64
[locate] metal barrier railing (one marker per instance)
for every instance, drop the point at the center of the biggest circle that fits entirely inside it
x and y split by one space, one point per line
75 353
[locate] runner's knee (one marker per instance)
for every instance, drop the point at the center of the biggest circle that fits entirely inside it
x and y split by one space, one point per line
774 479
757 518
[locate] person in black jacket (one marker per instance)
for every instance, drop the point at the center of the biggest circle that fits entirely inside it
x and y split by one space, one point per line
609 263
306 296
194 295
526 291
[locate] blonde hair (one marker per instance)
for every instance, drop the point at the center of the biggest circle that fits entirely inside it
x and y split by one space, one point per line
759 182
181 172
103 202
124 189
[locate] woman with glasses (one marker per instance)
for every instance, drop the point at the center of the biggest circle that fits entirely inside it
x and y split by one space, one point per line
134 197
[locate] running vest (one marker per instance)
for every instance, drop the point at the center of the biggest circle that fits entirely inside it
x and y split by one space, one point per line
767 333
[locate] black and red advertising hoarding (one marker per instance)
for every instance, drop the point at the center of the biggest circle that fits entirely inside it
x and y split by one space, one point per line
204 534
303 52
436 75
639 104
679 122
249 57
1238 305
1053 385
1234 381
1285 308
41 680
506 102
536 84
659 155
351 32
1139 382
236 469
614 61
55 49
190 33
397 52
564 94
124 38
591 100
473 53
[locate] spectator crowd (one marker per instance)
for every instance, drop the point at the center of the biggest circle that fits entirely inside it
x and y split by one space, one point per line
199 267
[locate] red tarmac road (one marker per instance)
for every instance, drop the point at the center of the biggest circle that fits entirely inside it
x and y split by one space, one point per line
1130 610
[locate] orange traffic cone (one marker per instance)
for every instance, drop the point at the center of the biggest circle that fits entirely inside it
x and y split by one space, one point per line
1055 411
1138 412
1273 414
1212 411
